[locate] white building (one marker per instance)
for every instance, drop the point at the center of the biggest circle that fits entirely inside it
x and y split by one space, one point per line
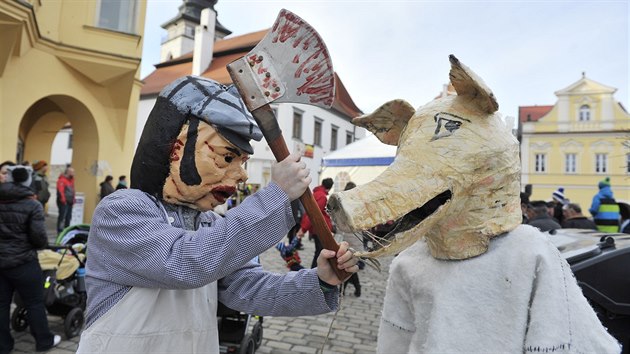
312 130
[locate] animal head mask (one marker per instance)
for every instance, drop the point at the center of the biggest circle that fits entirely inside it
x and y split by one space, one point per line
194 143
455 179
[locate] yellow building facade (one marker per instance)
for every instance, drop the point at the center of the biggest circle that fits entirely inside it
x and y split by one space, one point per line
74 62
581 140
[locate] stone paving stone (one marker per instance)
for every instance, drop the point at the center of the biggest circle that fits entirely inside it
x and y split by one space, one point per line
301 330
294 341
338 349
281 351
313 338
362 348
303 349
316 328
356 330
263 349
279 345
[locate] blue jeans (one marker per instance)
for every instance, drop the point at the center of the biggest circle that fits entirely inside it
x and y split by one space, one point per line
65 214
27 280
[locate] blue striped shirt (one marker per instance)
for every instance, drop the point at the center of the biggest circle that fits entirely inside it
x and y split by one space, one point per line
135 241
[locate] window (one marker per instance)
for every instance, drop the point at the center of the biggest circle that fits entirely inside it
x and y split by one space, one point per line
190 31
541 163
349 137
529 117
570 163
601 163
333 138
317 133
70 140
297 125
585 113
118 15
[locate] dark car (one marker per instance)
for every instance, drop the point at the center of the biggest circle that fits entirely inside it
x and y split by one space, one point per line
601 265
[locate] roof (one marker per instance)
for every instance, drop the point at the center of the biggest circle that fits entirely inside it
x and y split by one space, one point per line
532 113
585 86
225 51
368 151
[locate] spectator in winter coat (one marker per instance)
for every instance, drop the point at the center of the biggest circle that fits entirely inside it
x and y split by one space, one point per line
4 170
22 233
290 254
106 187
122 183
298 213
624 211
573 218
539 216
40 182
558 200
604 208
320 193
65 198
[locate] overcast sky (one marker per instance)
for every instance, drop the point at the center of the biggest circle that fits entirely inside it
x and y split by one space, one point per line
382 50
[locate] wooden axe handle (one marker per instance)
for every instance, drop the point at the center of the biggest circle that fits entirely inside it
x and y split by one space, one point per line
278 146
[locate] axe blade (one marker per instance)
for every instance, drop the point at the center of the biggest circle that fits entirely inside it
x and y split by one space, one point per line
290 64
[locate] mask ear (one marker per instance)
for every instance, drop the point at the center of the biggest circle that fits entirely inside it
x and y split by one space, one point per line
388 121
469 85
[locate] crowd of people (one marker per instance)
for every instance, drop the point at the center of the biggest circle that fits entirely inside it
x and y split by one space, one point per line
24 195
22 233
608 215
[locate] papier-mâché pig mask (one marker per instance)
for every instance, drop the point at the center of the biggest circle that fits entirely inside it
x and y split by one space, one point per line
455 180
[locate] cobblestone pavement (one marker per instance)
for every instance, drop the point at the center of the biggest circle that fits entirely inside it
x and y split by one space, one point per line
354 329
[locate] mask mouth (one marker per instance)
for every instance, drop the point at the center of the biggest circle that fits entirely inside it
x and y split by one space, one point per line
222 193
407 222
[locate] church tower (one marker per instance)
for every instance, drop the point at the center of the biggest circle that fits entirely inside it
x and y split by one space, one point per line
180 38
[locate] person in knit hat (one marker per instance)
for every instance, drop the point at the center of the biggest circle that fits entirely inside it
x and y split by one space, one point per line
22 233
558 200
604 208
40 182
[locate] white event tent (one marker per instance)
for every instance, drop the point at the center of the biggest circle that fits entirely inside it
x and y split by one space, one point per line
359 162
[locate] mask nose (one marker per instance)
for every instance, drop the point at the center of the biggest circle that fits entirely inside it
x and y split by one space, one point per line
336 212
240 175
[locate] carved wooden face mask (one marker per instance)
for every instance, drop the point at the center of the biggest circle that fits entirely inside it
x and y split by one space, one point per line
455 180
205 168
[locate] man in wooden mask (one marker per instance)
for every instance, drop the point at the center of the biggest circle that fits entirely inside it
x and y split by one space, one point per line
160 260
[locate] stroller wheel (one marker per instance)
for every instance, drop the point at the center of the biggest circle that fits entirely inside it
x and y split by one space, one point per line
19 320
257 334
248 346
73 323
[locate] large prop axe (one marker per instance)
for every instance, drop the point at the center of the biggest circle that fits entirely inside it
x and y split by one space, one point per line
290 64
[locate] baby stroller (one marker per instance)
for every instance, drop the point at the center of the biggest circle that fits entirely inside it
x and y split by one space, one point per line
74 234
233 330
63 267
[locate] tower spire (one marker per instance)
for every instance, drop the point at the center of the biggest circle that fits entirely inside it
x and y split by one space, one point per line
181 29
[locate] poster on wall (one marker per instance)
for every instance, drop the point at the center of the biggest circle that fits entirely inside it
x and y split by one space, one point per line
78 209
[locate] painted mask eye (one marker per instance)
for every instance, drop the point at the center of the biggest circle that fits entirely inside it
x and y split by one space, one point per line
229 158
447 124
